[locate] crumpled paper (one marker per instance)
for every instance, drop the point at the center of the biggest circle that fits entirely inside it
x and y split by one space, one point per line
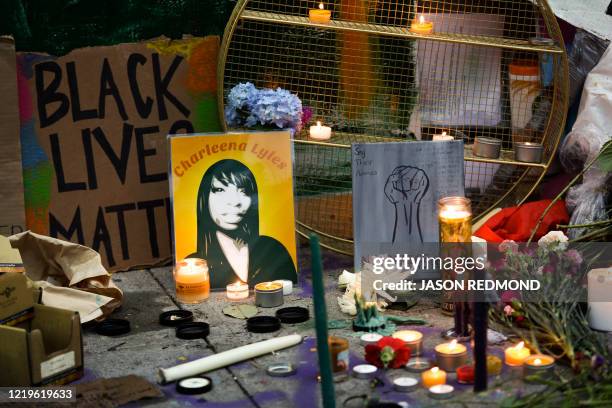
70 275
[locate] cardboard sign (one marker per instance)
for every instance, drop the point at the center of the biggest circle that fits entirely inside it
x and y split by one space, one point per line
12 216
232 197
396 188
93 130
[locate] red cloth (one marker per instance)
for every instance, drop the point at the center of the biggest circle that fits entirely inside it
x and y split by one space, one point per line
516 223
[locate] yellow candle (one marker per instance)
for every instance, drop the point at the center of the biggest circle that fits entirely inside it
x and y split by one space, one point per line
421 26
409 336
538 360
515 356
320 15
237 291
451 348
192 280
432 377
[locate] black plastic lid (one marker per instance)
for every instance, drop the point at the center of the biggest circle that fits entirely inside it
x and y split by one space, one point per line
113 327
175 317
192 330
194 385
294 314
263 324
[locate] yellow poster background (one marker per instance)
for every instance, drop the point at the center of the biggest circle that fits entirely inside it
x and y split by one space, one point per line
263 154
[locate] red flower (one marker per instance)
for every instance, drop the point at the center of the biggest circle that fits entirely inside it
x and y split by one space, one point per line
388 352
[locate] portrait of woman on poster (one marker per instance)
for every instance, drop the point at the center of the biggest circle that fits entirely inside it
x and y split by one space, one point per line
228 230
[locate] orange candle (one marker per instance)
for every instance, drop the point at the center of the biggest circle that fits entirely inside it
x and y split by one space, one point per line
192 280
432 377
421 26
320 15
515 356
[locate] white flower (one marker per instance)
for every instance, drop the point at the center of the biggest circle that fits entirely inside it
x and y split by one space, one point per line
553 240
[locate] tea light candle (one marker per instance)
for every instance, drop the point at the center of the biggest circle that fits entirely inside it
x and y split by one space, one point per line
287 286
450 356
319 132
442 137
364 370
441 391
487 147
192 280
419 364
405 384
268 294
421 26
538 364
413 338
528 152
237 291
465 374
370 338
515 356
432 377
320 15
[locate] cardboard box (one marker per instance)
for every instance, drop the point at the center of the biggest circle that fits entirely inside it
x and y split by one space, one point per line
43 345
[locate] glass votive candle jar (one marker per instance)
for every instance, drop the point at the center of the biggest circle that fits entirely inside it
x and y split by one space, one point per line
237 291
339 353
192 280
413 338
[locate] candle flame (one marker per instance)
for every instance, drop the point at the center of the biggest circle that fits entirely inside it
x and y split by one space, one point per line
321 7
452 345
318 121
422 19
537 361
443 134
520 345
435 370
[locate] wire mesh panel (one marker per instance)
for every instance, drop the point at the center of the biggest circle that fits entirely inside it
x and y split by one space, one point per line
489 68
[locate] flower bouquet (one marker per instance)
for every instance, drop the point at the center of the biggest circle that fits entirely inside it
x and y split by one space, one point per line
388 352
263 108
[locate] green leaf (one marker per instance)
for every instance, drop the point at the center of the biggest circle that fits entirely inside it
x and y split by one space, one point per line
605 156
240 311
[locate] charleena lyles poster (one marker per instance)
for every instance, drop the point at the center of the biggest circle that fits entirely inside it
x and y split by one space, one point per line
232 200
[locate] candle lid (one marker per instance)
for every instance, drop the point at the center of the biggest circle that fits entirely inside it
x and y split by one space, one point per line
292 315
263 324
192 330
281 370
113 327
194 385
173 318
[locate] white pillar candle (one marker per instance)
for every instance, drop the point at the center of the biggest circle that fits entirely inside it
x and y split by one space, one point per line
600 299
287 286
226 358
319 132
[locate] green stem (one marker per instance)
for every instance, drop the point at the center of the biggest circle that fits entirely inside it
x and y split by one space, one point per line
593 224
595 233
558 197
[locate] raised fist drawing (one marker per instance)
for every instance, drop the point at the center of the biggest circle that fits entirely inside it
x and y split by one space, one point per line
405 188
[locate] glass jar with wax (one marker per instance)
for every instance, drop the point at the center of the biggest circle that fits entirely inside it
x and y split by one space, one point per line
192 280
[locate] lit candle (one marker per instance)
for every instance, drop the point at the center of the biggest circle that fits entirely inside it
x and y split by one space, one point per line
412 338
320 15
442 137
515 356
319 132
421 26
287 286
528 152
432 377
538 364
192 280
268 294
450 356
237 291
